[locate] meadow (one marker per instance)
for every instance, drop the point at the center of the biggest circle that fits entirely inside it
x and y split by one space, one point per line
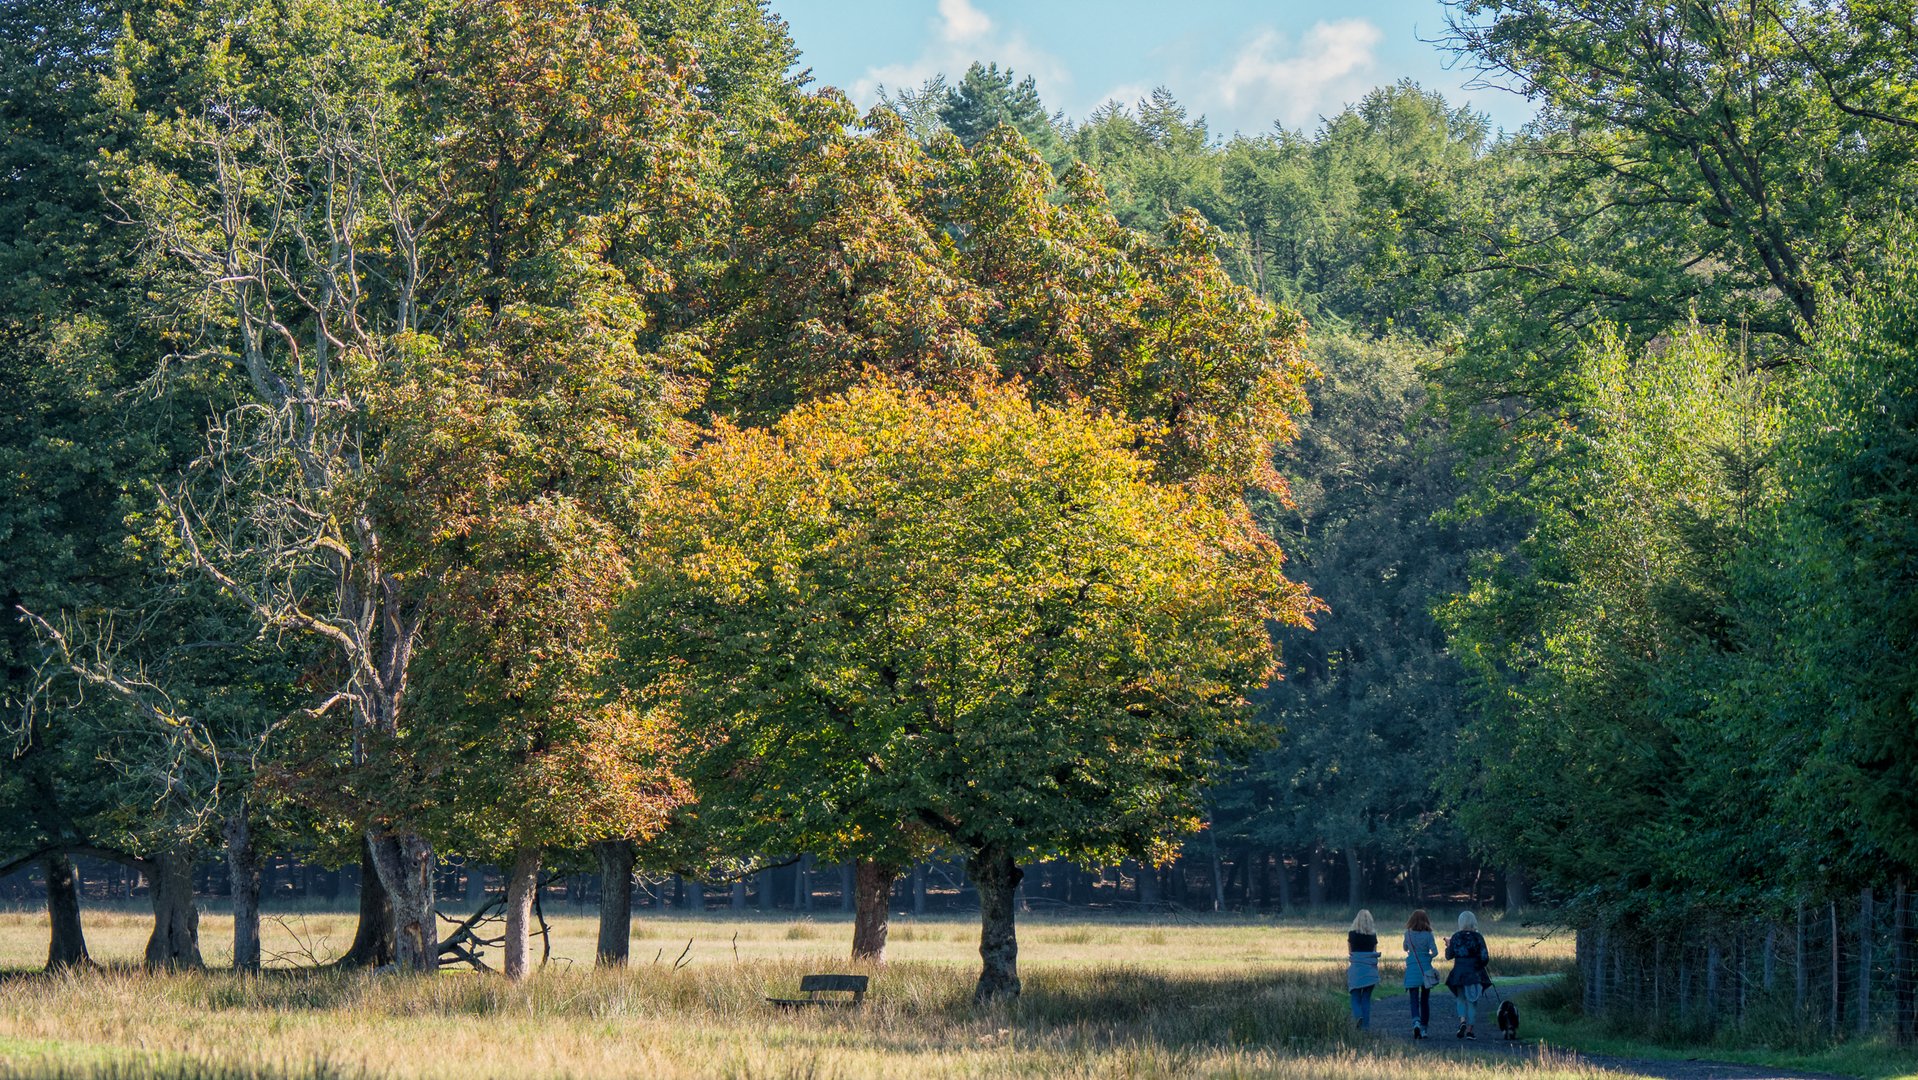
1104 997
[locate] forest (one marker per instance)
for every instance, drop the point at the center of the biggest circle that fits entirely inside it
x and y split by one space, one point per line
540 446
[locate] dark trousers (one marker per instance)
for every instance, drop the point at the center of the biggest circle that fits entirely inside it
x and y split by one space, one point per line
1421 1001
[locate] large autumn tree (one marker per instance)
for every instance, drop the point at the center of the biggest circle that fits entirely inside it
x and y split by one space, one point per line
433 264
963 613
859 250
516 433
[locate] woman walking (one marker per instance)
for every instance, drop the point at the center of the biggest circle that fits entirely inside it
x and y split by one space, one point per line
1471 971
1362 972
1420 975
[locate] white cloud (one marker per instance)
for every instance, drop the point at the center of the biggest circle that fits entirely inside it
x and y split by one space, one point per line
960 22
1271 79
1127 94
961 35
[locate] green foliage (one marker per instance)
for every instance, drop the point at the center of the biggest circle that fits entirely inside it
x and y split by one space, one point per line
866 251
987 98
1597 643
1707 157
969 619
1370 704
1842 563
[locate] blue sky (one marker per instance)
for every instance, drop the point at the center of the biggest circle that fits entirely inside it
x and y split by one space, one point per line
1243 64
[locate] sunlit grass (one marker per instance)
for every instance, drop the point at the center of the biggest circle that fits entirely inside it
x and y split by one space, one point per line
1173 942
1112 996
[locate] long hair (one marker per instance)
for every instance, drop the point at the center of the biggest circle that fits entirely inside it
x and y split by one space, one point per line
1419 921
1363 924
1467 921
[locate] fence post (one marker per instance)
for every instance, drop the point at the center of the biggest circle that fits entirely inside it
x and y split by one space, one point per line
1771 957
1865 927
1658 981
1837 978
1741 964
1598 972
1712 964
1904 978
1798 967
1684 989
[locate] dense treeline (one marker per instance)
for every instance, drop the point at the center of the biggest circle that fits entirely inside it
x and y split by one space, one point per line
1602 488
550 441
387 430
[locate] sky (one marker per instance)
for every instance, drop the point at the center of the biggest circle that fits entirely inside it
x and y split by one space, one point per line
1243 64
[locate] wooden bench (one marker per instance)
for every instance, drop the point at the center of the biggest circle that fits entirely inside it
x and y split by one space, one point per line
814 985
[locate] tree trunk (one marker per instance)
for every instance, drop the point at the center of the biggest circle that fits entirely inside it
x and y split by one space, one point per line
243 879
997 878
475 885
67 945
176 917
1517 889
404 862
765 890
737 898
373 940
1218 880
695 894
919 888
1149 896
1315 878
802 884
521 883
1285 884
872 890
1866 916
1354 879
615 902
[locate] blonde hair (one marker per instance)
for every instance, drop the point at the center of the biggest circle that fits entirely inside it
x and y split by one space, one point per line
1363 924
1467 921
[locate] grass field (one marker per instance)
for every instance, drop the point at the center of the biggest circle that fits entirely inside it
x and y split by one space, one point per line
1104 997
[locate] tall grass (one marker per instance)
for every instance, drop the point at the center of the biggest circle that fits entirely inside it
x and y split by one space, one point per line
1092 1022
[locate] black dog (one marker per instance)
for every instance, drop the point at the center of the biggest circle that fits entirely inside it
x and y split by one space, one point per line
1508 1020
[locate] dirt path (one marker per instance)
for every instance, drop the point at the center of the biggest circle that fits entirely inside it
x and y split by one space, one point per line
1489 1043
1655 1068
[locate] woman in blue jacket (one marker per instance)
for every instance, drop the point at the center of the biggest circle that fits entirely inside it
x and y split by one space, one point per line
1362 972
1420 975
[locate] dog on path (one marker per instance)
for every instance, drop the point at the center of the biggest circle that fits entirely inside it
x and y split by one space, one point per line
1508 1020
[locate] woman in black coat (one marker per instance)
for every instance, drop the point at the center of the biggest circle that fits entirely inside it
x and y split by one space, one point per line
1471 971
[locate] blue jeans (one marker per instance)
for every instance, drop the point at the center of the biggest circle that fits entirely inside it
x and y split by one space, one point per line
1362 1006
1421 1005
1468 1003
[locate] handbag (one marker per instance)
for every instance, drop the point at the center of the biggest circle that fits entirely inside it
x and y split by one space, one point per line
1431 978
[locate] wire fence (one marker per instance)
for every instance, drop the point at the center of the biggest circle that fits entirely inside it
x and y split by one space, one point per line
1835 968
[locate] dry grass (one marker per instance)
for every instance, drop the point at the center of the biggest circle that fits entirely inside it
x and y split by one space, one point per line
1104 997
1191 943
